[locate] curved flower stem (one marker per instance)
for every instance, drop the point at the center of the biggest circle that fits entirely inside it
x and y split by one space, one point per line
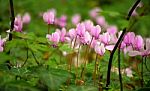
48 28
120 77
118 42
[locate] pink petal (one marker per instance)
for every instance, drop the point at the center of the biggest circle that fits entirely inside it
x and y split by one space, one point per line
134 53
110 47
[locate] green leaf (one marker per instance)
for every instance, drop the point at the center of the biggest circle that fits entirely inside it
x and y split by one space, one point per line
110 13
65 47
54 78
18 85
4 57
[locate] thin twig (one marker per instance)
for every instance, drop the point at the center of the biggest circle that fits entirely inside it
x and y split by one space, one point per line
34 57
26 58
12 18
27 55
117 44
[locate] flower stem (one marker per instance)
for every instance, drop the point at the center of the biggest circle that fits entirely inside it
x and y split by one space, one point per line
77 62
95 69
86 56
48 28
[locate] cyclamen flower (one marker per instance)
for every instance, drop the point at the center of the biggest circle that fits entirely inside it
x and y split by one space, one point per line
62 34
100 49
143 52
62 21
55 37
76 19
129 38
128 72
80 29
100 20
86 38
112 29
138 43
48 17
88 25
1 44
94 43
94 12
26 18
18 24
72 33
95 31
105 38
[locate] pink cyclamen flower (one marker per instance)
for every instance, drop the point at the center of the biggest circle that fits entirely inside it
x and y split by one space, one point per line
88 25
62 34
55 37
112 29
72 33
76 19
128 72
100 49
1 44
49 17
95 31
100 20
80 29
105 38
18 24
86 38
138 43
143 52
129 38
94 43
62 21
94 12
26 18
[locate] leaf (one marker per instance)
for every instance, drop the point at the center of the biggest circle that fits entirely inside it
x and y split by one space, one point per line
54 78
65 47
15 43
110 13
4 57
18 85
30 36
